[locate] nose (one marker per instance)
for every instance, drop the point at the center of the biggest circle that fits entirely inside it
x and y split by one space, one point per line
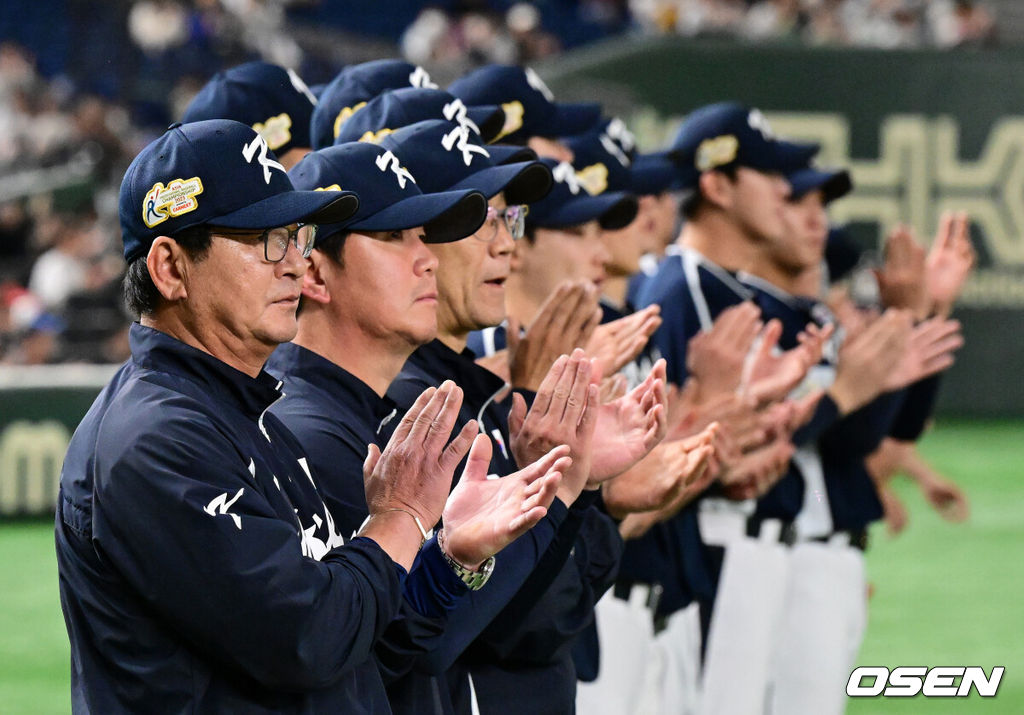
293 264
424 261
503 243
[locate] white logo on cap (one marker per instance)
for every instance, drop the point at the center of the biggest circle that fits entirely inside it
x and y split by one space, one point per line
565 174
537 83
420 78
249 151
455 111
618 131
758 121
387 160
615 150
301 87
458 138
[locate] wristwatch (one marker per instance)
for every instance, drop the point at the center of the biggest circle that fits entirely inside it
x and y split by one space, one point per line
474 580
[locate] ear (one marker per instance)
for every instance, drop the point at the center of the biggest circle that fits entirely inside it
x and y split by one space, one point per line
716 188
314 285
168 267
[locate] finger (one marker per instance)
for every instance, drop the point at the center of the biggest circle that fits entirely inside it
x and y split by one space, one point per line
457 448
556 459
440 428
576 397
479 460
516 415
588 419
423 423
372 457
545 393
409 419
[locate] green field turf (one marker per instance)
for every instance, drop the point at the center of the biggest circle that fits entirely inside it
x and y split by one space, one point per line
944 594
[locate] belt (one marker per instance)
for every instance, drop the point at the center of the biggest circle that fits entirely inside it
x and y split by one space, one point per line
638 593
719 528
771 530
857 538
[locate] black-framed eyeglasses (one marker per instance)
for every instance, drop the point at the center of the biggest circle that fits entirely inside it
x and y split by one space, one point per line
514 218
276 240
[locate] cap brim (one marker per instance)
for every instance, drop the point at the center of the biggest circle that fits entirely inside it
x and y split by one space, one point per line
523 183
489 119
571 118
319 207
614 210
446 215
652 174
785 157
510 154
833 184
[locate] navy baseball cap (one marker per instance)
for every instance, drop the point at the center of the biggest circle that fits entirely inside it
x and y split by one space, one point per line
610 152
570 204
530 107
272 100
728 134
354 87
218 172
394 199
446 155
834 184
401 107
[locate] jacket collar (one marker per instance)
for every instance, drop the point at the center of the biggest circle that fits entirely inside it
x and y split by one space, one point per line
478 383
158 351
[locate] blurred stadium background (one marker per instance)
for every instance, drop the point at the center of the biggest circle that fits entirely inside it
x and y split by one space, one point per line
923 99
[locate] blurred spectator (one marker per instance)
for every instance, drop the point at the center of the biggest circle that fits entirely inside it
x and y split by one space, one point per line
67 266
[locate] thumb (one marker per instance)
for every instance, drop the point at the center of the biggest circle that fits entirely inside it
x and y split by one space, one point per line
479 459
517 414
372 457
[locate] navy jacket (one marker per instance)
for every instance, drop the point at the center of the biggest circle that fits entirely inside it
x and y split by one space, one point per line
200 570
525 647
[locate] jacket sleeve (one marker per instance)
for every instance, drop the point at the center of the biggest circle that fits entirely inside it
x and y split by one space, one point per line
917 409
859 433
178 514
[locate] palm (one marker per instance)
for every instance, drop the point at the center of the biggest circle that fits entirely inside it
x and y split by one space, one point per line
620 438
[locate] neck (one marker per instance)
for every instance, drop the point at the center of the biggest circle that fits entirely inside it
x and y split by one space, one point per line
456 340
246 356
778 276
719 240
375 360
615 289
521 299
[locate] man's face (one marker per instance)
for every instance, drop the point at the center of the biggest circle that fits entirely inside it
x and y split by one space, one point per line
663 209
626 245
386 283
471 275
803 244
236 290
757 203
555 255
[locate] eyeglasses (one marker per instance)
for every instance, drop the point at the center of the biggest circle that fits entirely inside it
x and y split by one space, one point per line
514 218
276 240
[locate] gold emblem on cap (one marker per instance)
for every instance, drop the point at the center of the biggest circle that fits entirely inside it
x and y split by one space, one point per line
716 152
332 187
276 131
375 137
344 115
593 178
164 202
513 119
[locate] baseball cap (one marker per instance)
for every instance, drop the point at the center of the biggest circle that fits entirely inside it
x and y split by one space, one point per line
272 100
729 134
446 155
569 203
217 172
401 107
834 183
610 150
393 198
354 87
530 107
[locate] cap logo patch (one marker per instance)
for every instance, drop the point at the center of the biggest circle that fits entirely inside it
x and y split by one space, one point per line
332 187
455 111
375 137
565 174
615 150
301 87
513 118
716 152
387 160
344 115
420 78
534 80
759 122
618 131
276 130
593 178
177 198
458 138
249 151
